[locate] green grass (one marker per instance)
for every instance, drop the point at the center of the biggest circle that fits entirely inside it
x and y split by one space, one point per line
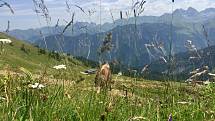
79 101
70 96
12 58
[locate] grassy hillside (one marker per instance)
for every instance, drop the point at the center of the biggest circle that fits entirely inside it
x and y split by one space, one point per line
36 60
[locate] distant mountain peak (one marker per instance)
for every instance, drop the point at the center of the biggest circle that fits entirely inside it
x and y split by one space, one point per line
179 11
191 9
189 12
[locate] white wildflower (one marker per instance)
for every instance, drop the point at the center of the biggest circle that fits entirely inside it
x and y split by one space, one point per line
36 86
5 41
206 82
183 103
101 102
137 118
60 67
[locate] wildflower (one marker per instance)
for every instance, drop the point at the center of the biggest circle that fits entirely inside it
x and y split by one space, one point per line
60 67
183 103
137 118
206 82
101 102
36 86
5 41
170 117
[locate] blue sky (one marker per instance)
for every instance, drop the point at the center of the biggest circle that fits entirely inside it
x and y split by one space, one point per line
25 17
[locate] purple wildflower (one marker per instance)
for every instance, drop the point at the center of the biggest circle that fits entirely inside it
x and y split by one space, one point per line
170 117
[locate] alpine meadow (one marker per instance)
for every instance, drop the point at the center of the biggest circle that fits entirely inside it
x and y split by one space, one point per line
107 60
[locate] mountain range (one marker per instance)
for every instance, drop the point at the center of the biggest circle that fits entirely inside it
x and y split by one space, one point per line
190 15
129 39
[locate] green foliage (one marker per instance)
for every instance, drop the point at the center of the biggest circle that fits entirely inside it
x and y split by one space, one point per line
36 60
55 55
41 51
24 49
80 102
